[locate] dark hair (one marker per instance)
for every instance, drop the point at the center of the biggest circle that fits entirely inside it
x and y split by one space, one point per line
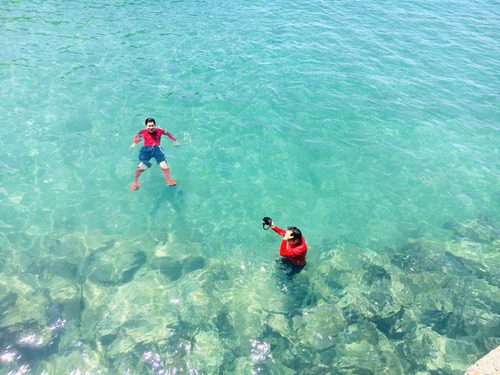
296 233
149 119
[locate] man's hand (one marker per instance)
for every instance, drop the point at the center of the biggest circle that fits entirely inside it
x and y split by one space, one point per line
132 145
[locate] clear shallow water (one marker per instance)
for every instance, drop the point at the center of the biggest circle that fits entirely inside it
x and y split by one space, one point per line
372 127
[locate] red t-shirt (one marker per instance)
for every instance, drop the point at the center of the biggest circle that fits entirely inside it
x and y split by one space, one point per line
152 139
296 253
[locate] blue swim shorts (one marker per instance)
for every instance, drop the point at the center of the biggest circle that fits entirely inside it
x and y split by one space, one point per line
148 152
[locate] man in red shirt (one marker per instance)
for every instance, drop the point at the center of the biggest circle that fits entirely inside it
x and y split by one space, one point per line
151 149
293 246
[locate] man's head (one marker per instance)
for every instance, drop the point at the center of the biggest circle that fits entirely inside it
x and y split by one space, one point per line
293 234
150 124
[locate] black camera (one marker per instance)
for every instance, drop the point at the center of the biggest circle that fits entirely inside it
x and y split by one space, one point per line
266 222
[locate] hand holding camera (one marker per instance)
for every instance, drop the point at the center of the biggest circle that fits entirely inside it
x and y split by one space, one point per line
266 222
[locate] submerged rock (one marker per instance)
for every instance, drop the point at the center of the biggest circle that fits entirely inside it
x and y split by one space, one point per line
352 314
360 348
6 302
111 266
79 360
174 268
223 324
481 230
192 263
25 303
457 265
169 267
64 246
445 323
395 325
118 322
30 341
207 353
410 263
376 274
58 267
318 327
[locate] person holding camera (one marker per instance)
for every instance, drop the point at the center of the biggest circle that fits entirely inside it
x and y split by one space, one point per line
293 246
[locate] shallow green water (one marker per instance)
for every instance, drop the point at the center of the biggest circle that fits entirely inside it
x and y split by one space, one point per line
374 127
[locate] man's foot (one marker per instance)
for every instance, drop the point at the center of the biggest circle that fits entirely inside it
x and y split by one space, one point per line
135 186
171 182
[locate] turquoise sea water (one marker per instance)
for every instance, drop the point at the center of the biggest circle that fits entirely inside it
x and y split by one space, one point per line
372 126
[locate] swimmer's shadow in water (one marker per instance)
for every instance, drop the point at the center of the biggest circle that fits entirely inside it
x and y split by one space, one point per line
172 195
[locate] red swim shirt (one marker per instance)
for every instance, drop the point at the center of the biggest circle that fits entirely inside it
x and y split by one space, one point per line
295 253
152 139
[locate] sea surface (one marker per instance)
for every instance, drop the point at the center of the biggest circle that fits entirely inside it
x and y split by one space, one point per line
373 126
